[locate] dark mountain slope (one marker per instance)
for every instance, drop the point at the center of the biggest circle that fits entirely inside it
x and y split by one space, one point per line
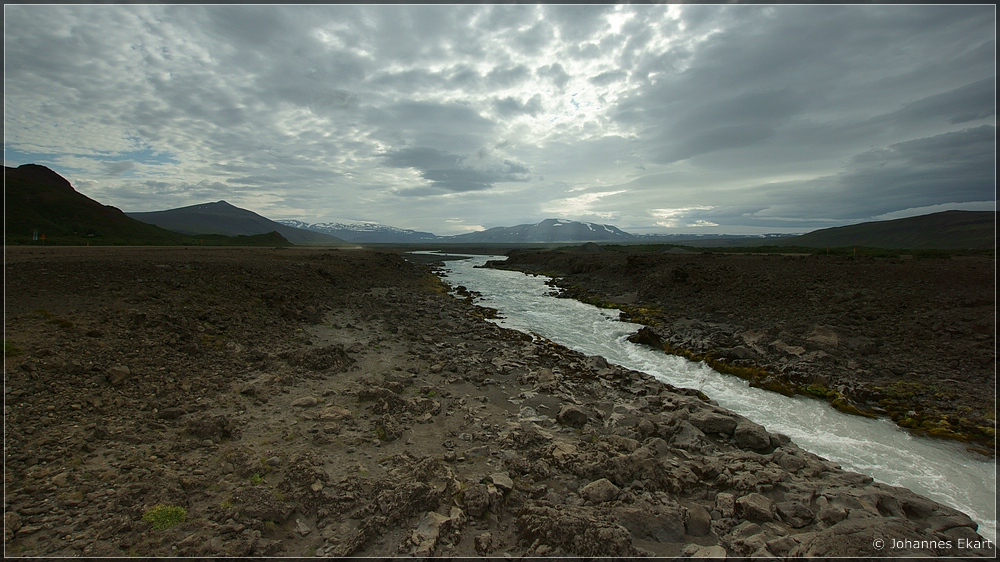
222 218
36 198
948 230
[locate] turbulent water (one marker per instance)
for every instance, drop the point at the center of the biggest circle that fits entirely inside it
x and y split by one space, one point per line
940 470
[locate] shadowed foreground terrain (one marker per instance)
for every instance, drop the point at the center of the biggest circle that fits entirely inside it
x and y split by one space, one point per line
255 402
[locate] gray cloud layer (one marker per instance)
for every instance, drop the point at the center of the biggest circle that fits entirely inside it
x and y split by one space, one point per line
448 118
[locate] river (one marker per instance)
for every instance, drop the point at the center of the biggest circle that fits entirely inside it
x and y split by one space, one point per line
941 470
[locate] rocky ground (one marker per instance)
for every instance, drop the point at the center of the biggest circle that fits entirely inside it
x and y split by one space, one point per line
300 402
914 340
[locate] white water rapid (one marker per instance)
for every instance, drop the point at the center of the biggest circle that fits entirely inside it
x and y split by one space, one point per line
943 471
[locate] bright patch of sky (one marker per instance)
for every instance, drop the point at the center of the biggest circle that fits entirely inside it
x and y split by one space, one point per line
447 119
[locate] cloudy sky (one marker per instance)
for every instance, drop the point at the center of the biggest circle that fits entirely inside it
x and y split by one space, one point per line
709 119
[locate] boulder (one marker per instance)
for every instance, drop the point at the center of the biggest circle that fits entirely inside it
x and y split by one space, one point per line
572 416
477 499
659 523
502 481
750 435
333 413
646 336
794 513
600 491
118 374
687 436
431 527
698 522
714 551
712 422
860 537
725 504
305 402
755 507
581 531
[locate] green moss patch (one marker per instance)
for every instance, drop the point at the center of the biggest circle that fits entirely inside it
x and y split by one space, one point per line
165 516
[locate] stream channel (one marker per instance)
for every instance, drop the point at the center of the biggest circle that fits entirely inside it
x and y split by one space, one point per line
940 470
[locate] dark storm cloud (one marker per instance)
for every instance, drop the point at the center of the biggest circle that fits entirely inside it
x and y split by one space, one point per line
443 126
694 128
952 167
452 173
961 105
422 159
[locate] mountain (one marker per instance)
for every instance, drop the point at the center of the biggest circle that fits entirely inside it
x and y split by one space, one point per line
365 232
948 230
715 240
38 199
549 230
222 218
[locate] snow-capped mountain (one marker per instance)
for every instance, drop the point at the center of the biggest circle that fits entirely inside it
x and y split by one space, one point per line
549 230
365 232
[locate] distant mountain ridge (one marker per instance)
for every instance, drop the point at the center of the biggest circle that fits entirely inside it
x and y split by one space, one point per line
549 230
221 217
947 230
365 232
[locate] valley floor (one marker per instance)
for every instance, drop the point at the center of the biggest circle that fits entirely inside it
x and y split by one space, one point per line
299 402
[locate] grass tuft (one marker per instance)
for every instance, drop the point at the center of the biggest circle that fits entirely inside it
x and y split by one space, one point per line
165 516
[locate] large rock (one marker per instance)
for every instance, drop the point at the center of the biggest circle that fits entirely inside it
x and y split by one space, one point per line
725 504
477 499
712 422
658 523
646 336
872 537
572 415
600 491
688 436
431 527
305 402
755 507
576 530
118 374
750 435
795 513
698 522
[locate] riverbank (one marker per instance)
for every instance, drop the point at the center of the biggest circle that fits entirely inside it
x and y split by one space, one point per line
295 402
912 340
